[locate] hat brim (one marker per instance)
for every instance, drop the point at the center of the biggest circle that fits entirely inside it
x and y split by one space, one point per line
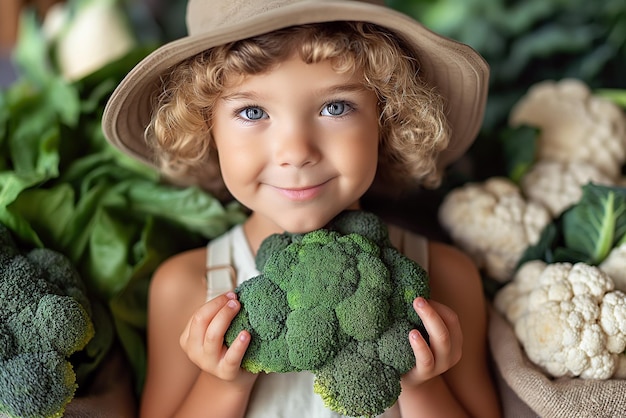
458 72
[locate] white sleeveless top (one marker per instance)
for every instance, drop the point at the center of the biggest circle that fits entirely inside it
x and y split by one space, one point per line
284 395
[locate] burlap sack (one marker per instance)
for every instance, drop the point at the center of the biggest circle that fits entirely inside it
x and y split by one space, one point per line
528 392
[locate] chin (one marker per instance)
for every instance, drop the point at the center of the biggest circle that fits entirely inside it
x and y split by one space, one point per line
301 226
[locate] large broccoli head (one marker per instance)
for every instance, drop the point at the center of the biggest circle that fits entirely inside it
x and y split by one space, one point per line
338 302
45 318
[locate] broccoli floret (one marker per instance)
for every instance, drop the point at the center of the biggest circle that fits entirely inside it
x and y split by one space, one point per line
355 384
59 271
363 223
45 318
17 293
36 385
393 347
65 323
267 324
310 346
406 289
274 243
337 302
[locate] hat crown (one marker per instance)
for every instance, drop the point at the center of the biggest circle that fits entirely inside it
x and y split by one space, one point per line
208 15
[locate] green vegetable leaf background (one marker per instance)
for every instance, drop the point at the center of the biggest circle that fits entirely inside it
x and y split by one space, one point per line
587 231
62 186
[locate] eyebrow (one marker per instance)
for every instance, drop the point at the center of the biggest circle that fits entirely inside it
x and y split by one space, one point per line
345 88
342 88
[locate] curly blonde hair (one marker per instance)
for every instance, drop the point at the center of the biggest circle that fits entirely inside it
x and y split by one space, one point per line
413 126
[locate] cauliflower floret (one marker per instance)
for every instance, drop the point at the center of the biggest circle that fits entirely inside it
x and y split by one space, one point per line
574 125
613 320
558 185
493 223
615 266
567 317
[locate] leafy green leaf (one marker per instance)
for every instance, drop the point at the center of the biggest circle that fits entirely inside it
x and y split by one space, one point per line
11 185
31 51
189 207
49 211
594 225
544 248
519 148
617 96
112 234
587 231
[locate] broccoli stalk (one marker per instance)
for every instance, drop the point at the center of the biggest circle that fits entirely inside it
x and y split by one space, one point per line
45 318
337 302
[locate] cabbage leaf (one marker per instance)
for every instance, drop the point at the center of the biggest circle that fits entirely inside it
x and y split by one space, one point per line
587 231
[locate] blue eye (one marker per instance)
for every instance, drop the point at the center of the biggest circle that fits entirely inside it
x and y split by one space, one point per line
336 109
253 113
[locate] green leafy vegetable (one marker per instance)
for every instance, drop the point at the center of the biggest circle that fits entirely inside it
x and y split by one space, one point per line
519 145
64 188
587 231
617 96
598 222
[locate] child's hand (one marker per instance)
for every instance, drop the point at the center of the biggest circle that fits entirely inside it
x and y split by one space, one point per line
203 339
446 340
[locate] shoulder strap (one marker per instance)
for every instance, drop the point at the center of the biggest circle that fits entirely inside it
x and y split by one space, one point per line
220 273
410 244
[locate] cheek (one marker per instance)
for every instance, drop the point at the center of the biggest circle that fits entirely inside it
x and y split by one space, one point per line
364 156
369 158
239 167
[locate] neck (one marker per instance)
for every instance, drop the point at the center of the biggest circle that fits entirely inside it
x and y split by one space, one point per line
258 227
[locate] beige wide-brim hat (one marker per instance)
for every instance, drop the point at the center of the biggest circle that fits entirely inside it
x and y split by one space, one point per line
458 72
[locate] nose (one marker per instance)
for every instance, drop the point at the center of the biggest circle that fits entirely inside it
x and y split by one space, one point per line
296 145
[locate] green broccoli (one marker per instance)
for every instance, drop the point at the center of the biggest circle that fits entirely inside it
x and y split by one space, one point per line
36 384
45 318
337 302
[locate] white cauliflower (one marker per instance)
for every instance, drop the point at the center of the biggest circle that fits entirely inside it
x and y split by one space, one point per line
575 126
568 318
493 223
558 185
615 266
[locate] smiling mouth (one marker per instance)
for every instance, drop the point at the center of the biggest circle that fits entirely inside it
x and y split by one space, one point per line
301 194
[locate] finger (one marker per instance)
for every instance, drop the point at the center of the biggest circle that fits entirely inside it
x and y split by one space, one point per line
196 327
236 351
452 323
438 332
215 332
424 358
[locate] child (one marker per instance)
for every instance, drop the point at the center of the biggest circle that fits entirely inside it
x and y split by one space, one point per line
298 108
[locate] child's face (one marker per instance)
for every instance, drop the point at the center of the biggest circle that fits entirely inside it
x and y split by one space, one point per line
298 144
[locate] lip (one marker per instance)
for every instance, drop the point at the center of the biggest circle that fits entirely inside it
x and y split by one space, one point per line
301 194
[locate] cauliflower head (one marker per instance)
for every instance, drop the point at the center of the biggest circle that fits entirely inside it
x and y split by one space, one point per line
557 184
337 302
568 318
493 223
575 125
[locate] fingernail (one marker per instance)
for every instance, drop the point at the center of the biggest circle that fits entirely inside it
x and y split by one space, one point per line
243 337
232 304
420 302
231 295
414 335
